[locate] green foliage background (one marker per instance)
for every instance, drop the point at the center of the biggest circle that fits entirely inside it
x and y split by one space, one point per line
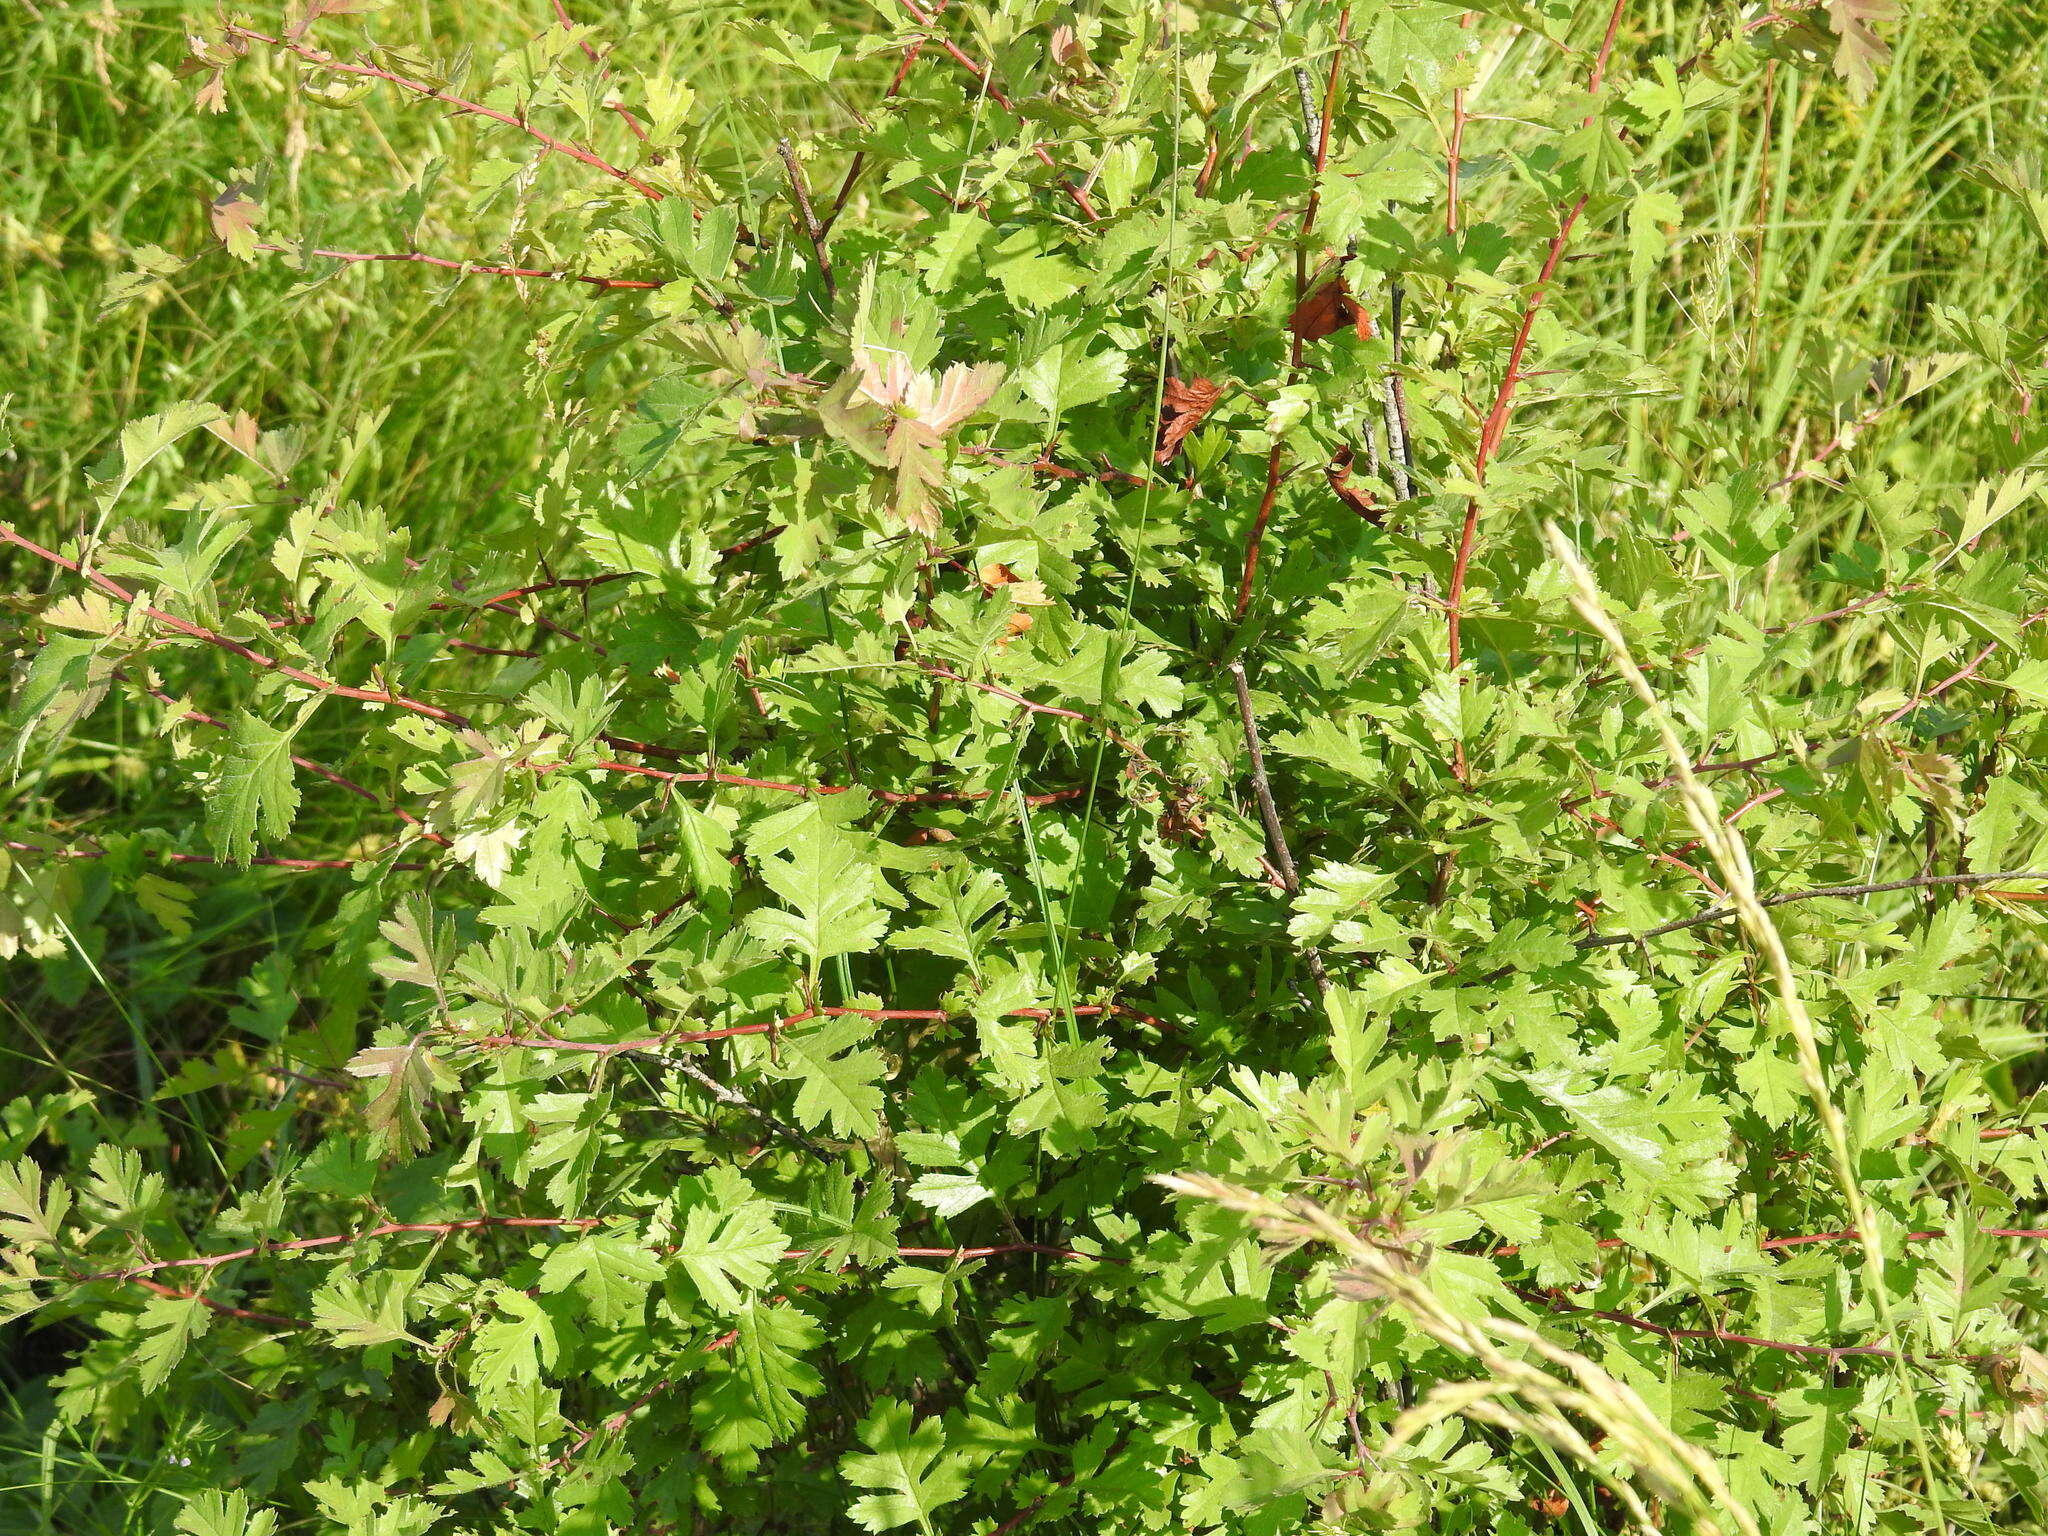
695 885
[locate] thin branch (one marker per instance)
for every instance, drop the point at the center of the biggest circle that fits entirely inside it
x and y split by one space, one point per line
1829 1352
14 846
1845 438
304 1244
254 657
1963 674
319 770
738 1100
807 216
1497 418
420 88
654 1044
212 1261
1003 693
985 77
1255 537
1394 406
267 1319
1315 144
461 722
860 157
1875 888
467 268
886 796
1269 813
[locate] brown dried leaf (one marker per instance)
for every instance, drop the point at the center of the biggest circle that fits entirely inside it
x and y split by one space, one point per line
1361 502
1328 310
1182 405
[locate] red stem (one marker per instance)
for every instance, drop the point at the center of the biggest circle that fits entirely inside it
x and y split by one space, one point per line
420 88
984 75
1497 418
470 268
1255 537
235 647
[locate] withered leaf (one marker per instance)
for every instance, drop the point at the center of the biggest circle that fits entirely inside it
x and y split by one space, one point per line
1359 501
1328 310
1182 405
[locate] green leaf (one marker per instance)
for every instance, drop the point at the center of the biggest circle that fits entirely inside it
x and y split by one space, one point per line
1066 376
256 789
832 887
511 1350
411 1072
727 1253
214 1513
363 1310
910 1468
1859 49
836 1076
608 1271
167 1326
28 1214
140 443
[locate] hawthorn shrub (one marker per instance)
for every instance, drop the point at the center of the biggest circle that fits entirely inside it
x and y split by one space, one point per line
1139 831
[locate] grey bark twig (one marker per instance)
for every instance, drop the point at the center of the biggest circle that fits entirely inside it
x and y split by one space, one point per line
1269 813
738 1100
1876 888
813 229
1400 456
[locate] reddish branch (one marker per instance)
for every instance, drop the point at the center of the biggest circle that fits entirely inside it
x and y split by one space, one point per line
1834 445
985 77
1829 1352
1045 465
554 584
468 268
608 1048
887 796
859 161
1003 693
1457 147
267 1319
212 1261
320 770
1845 892
1502 411
452 719
249 654
202 858
1317 145
428 92
1967 671
1847 1235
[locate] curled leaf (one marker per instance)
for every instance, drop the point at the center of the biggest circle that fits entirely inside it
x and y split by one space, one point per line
1329 309
1182 406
